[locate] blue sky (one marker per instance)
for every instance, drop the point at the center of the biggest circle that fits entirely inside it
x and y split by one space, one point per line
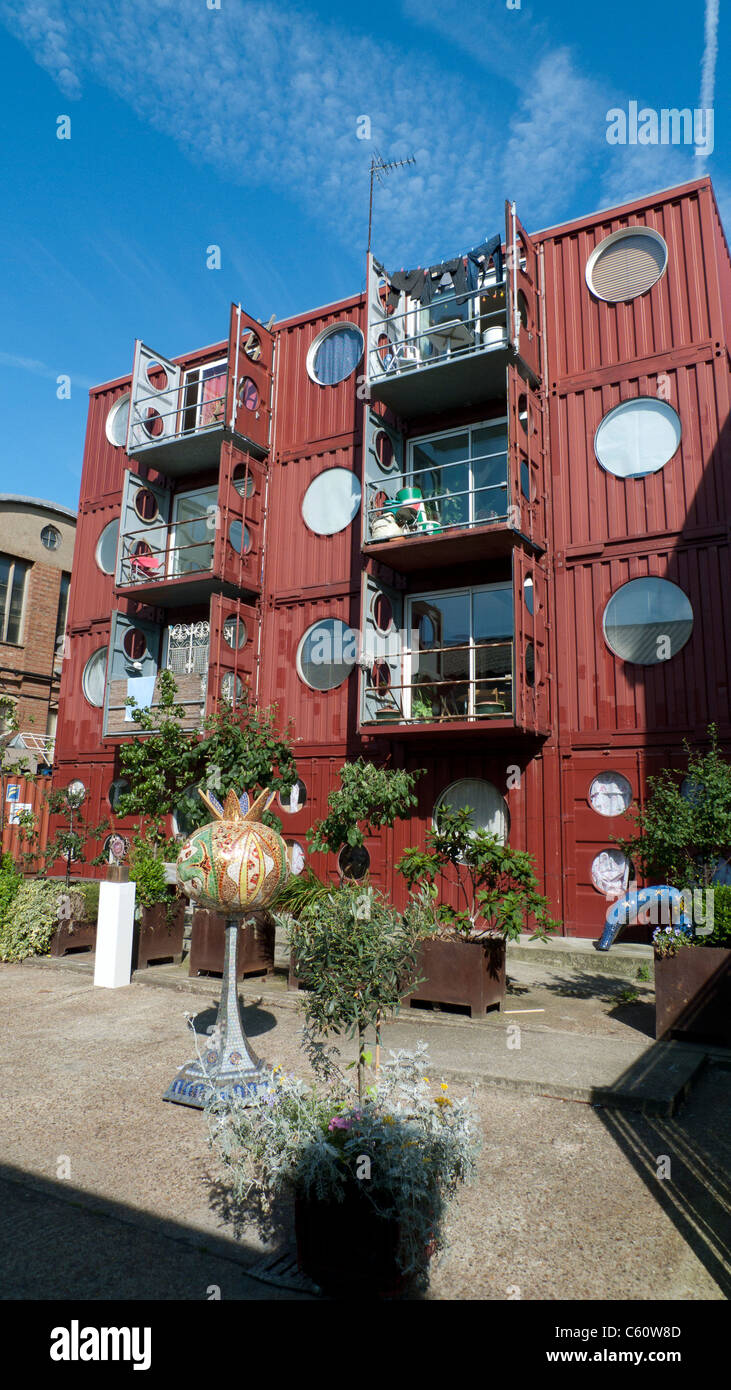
237 126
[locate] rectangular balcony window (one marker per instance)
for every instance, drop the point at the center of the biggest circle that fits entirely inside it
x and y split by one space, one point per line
459 664
452 480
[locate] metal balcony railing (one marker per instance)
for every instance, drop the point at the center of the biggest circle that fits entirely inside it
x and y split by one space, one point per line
451 326
175 413
144 563
41 744
440 507
431 694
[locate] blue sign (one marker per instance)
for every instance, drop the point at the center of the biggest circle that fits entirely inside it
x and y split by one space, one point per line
13 792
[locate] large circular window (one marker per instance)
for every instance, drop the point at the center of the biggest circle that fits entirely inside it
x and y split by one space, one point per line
327 654
106 549
331 501
335 353
610 794
489 808
294 799
610 872
637 437
117 789
648 621
51 537
94 678
625 264
117 421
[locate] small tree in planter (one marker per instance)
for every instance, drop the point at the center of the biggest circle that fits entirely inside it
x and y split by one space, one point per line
680 838
357 956
368 797
159 908
498 891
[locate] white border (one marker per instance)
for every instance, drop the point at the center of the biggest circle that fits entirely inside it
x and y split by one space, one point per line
637 229
319 340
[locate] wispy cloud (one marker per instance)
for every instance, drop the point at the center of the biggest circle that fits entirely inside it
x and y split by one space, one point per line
710 54
38 368
269 95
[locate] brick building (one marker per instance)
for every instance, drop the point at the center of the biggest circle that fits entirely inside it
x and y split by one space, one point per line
36 554
474 520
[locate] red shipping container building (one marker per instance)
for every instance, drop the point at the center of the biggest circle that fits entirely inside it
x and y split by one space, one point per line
474 521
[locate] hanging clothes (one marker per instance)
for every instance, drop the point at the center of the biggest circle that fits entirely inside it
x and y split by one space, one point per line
405 282
493 248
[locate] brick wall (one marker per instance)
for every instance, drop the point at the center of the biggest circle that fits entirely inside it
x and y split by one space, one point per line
27 669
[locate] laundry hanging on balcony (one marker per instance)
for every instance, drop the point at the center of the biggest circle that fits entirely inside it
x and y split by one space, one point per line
456 277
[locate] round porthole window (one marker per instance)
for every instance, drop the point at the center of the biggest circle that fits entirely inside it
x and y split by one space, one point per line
530 664
117 421
238 538
610 794
354 861
327 654
637 437
115 848
248 393
94 677
243 481
296 857
529 595
647 621
626 264
489 809
295 799
232 688
384 451
146 504
234 631
335 353
331 501
117 789
182 817
382 612
135 644
610 872
525 482
50 537
106 548
251 344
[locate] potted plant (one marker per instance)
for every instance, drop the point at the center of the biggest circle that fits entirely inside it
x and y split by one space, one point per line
369 796
39 916
682 838
465 963
371 1177
159 909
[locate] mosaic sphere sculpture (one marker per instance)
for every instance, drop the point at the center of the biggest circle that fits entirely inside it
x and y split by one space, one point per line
234 864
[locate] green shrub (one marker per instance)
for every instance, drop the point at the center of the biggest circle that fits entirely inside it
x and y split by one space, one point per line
10 881
721 934
28 928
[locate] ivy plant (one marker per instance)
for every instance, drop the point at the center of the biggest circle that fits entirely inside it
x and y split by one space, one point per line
679 839
496 885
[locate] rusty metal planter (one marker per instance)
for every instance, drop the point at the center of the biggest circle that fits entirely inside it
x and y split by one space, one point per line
256 945
346 1247
467 973
73 936
693 994
159 936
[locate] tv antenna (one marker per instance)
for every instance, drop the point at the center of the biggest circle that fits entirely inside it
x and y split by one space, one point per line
380 167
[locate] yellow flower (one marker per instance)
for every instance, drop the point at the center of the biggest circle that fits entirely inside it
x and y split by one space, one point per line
442 1100
426 1079
445 1087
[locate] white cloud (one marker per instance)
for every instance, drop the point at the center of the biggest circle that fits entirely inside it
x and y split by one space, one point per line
38 368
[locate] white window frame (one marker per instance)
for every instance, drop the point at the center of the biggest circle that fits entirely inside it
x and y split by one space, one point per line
406 660
197 405
13 562
171 571
446 434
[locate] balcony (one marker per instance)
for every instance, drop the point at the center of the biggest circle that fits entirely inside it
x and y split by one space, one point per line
179 416
449 504
172 566
425 358
456 685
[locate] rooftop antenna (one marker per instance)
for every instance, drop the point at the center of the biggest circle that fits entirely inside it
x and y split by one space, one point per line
379 167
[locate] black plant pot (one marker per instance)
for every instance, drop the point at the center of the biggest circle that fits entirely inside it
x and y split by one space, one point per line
347 1248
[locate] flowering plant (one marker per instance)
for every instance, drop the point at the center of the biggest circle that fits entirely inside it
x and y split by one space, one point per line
668 940
403 1147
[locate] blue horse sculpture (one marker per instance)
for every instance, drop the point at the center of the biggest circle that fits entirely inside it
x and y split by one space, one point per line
663 905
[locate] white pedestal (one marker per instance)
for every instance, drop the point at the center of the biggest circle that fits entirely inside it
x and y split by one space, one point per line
114 932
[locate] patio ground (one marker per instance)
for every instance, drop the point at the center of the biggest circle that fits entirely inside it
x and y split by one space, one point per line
110 1193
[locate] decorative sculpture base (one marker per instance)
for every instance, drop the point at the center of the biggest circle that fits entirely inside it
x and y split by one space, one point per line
229 1064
